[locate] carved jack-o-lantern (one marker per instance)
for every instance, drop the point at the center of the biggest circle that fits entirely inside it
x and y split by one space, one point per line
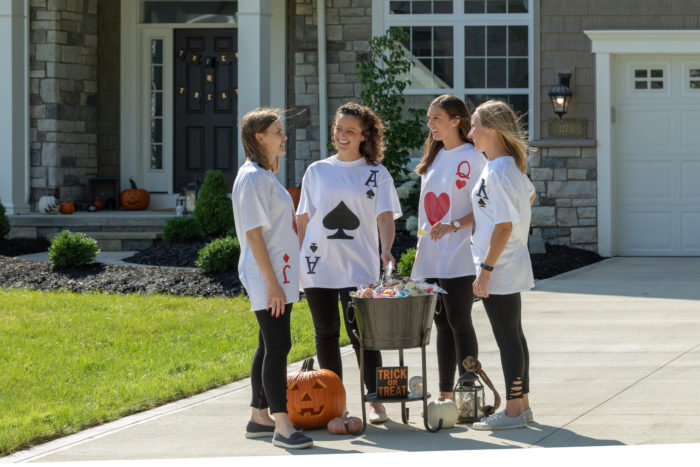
134 198
314 397
295 193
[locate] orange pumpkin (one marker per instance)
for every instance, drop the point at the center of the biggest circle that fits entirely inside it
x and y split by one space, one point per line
66 207
99 204
295 193
314 397
345 425
134 199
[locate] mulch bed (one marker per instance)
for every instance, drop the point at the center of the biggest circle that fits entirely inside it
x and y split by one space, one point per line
19 273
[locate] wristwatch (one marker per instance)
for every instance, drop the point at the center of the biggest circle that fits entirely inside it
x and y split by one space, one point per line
456 225
486 267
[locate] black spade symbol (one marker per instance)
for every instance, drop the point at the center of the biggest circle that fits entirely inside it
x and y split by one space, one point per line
313 247
481 203
341 218
370 194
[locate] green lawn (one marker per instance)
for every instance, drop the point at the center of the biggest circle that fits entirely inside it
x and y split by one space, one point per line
69 361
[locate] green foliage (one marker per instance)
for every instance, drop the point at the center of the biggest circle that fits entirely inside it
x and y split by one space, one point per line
383 80
86 359
405 264
69 249
4 223
182 229
219 255
213 210
231 232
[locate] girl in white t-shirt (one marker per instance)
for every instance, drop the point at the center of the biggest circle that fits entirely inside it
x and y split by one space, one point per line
269 269
345 199
502 200
449 169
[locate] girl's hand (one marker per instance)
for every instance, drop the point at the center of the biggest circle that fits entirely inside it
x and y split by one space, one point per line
276 299
387 258
481 283
439 230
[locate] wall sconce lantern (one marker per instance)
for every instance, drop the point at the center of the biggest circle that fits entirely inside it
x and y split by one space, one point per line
561 94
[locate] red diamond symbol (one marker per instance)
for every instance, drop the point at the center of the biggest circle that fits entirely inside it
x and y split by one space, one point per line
286 258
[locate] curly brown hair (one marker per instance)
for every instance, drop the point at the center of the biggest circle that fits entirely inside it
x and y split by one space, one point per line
372 148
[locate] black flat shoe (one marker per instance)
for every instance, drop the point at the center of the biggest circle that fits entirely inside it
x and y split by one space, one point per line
257 430
296 440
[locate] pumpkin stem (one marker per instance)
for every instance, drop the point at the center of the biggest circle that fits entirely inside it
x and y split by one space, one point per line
133 183
308 364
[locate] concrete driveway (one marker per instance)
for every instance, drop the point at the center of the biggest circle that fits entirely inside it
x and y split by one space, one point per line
615 360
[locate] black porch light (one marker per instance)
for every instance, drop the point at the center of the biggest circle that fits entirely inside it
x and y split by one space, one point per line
561 94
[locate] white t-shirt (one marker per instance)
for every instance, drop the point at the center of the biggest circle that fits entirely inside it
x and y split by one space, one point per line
259 200
343 200
503 195
445 196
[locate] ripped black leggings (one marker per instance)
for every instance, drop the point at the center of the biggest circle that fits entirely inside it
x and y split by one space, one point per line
504 314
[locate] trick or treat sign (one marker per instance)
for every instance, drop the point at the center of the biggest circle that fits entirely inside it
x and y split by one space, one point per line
392 382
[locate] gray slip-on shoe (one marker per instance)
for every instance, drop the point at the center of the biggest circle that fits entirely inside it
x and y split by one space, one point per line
296 440
500 421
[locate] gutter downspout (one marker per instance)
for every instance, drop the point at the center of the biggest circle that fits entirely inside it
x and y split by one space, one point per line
322 82
27 113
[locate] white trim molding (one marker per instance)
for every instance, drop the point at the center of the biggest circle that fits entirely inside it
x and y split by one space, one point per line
605 45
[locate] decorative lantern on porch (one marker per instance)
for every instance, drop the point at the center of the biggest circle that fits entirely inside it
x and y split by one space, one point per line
190 193
469 393
180 204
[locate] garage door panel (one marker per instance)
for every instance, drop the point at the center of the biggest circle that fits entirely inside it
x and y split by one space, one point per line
690 173
690 231
641 181
644 129
690 129
647 230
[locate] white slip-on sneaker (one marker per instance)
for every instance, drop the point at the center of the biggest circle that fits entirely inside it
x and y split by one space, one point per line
527 415
500 421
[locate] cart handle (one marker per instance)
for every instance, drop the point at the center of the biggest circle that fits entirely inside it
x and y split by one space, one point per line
351 316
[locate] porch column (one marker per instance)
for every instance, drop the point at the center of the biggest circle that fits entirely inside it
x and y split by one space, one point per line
13 106
253 59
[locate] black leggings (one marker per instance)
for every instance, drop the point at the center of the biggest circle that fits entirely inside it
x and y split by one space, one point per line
504 314
456 338
323 304
268 374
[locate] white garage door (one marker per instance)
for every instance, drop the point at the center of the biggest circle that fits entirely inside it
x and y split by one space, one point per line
656 156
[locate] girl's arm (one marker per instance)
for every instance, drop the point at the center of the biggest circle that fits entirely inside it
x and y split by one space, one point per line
499 239
276 299
302 222
387 231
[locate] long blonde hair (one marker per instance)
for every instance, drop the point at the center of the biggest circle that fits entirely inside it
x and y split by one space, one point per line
499 116
254 122
454 107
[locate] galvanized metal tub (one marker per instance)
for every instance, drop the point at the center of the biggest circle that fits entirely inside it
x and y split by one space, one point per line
394 323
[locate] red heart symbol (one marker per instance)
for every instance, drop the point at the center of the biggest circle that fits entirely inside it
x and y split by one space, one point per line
436 206
460 184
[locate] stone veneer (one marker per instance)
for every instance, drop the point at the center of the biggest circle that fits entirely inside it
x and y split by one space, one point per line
348 31
63 97
564 174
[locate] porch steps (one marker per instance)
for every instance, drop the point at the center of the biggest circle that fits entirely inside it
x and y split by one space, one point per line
113 230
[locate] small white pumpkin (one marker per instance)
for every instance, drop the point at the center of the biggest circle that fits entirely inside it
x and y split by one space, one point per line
444 409
48 205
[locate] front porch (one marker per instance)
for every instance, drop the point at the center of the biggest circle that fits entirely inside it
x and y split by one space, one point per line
113 230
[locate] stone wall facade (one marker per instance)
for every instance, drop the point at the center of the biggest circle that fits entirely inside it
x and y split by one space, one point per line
63 97
348 31
565 209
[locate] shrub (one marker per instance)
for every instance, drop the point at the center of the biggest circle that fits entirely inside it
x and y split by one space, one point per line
69 249
213 209
405 264
219 255
182 229
4 223
383 79
231 232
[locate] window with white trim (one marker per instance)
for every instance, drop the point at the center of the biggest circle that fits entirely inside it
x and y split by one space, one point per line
475 49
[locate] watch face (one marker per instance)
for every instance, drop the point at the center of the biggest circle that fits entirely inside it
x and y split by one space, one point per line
456 224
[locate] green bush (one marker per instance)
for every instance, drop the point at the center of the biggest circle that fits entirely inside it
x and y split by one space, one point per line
219 255
405 264
69 249
231 232
213 209
182 229
383 79
4 223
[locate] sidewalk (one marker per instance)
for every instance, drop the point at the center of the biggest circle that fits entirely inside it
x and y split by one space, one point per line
615 360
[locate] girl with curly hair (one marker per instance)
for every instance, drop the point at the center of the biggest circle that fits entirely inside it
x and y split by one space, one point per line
345 200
